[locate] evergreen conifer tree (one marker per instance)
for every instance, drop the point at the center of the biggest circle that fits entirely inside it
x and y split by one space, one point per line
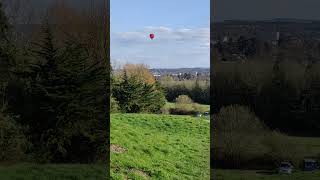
136 96
63 102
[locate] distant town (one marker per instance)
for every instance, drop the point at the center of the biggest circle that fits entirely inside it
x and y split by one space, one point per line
235 40
182 73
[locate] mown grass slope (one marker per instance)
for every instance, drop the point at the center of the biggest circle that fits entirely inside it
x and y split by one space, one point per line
263 175
52 172
309 146
145 146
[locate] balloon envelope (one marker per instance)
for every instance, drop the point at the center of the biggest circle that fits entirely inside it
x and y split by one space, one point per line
151 36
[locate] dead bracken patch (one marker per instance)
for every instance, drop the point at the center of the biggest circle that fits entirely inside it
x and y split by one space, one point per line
140 173
117 149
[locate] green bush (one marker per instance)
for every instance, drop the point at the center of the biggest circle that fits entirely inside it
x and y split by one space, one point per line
183 99
185 106
238 119
114 106
165 110
243 141
13 143
238 135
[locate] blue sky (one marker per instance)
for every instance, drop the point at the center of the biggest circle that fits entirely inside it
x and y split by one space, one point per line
181 29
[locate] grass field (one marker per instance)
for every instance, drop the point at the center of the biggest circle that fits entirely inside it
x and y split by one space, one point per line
306 147
261 175
147 146
52 172
309 147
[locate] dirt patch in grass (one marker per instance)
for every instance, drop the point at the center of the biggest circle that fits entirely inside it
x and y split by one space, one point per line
140 173
117 149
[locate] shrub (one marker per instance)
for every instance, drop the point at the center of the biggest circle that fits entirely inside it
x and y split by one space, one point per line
165 110
185 106
114 106
184 99
183 109
239 119
242 140
238 135
12 140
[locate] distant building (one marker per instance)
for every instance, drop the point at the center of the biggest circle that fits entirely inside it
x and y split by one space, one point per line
225 39
156 74
276 40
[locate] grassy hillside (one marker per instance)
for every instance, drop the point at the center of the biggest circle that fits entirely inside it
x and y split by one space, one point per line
147 146
50 172
308 146
262 175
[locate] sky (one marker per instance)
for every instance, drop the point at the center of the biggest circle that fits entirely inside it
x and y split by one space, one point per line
266 9
181 28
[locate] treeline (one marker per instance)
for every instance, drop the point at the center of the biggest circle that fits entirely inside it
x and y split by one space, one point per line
135 90
197 90
284 95
296 46
53 97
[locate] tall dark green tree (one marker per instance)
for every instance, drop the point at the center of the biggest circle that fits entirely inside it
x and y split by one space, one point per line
276 98
12 139
6 56
136 96
62 102
4 25
310 100
198 93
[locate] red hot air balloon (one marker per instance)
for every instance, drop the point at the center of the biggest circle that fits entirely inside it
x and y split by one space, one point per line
151 36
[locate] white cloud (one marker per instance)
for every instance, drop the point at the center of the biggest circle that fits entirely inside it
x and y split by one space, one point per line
170 47
164 33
